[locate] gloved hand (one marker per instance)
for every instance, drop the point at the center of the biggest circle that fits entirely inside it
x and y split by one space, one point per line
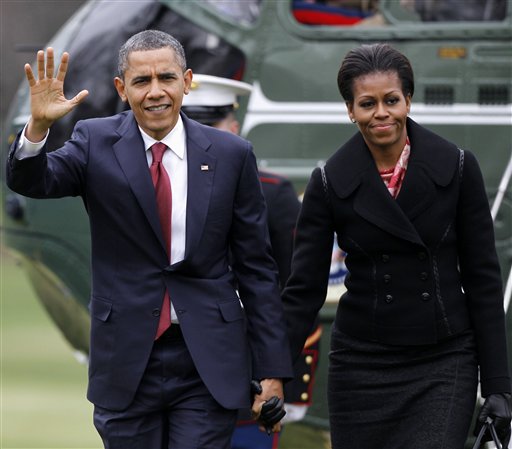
272 410
497 407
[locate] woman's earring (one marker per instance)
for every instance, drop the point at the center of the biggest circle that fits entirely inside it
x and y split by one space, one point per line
353 120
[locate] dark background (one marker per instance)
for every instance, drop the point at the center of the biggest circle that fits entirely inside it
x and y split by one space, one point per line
25 27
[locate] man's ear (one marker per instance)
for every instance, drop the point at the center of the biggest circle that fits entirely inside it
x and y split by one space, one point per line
187 78
119 83
235 127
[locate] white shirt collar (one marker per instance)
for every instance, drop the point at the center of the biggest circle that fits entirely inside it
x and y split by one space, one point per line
175 140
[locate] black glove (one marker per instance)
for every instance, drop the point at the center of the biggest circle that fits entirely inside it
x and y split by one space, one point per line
255 388
272 410
496 407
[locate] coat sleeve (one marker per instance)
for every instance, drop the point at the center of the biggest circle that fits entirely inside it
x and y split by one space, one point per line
54 174
256 275
481 278
306 289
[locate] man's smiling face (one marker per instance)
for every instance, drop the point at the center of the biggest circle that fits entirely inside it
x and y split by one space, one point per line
154 85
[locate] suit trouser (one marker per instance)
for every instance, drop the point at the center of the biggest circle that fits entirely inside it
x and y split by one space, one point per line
172 408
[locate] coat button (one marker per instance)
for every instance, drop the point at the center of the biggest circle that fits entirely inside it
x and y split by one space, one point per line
422 255
304 396
308 360
306 378
156 312
385 258
423 275
389 298
386 278
425 296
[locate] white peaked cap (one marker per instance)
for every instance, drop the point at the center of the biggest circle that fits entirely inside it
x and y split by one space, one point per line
209 90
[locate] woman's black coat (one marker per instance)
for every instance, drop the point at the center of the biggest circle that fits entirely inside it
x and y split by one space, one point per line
422 267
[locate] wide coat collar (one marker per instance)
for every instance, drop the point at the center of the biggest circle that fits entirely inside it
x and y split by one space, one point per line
352 170
129 151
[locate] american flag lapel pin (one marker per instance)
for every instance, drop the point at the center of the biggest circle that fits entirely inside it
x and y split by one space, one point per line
204 167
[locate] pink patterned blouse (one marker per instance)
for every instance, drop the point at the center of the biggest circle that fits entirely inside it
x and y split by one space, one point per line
393 177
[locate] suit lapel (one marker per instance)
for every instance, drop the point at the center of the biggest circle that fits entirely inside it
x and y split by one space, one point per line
418 191
201 172
432 162
129 151
374 203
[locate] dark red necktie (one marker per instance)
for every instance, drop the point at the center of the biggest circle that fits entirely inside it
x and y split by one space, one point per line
164 201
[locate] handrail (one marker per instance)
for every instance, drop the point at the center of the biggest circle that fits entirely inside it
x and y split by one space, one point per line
498 200
508 291
502 188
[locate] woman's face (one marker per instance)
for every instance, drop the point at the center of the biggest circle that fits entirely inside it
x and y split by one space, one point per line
380 110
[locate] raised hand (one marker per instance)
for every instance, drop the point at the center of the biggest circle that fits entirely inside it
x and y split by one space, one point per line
47 100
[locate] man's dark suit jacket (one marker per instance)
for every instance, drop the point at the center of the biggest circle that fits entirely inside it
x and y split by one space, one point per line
421 268
104 162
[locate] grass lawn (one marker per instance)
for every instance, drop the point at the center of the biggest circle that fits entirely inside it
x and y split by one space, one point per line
43 386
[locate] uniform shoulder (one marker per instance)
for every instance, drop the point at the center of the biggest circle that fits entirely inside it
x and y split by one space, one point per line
267 177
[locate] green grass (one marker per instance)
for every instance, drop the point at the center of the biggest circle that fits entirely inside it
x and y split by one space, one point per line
43 386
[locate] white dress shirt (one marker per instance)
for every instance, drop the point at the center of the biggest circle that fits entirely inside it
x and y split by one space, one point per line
175 163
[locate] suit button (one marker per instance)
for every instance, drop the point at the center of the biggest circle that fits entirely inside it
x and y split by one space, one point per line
389 298
304 396
423 275
385 258
156 312
422 255
387 278
168 268
425 296
306 378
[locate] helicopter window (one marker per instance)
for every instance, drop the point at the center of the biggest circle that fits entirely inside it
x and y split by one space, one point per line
373 12
451 10
246 12
337 12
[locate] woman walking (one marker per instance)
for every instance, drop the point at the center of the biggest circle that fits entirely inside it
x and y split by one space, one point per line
423 311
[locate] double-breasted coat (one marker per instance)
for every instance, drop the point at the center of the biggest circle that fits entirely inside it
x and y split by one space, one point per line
421 268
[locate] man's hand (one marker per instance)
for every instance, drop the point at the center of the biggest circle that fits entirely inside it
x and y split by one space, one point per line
271 397
47 100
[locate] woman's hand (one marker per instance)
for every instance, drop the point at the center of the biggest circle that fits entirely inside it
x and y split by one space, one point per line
497 407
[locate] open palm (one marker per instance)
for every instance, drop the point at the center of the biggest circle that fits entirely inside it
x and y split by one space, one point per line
47 99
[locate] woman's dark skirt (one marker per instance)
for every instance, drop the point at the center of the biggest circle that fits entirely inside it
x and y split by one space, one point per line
401 397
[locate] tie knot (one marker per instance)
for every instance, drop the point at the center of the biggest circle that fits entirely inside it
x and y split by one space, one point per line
157 150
